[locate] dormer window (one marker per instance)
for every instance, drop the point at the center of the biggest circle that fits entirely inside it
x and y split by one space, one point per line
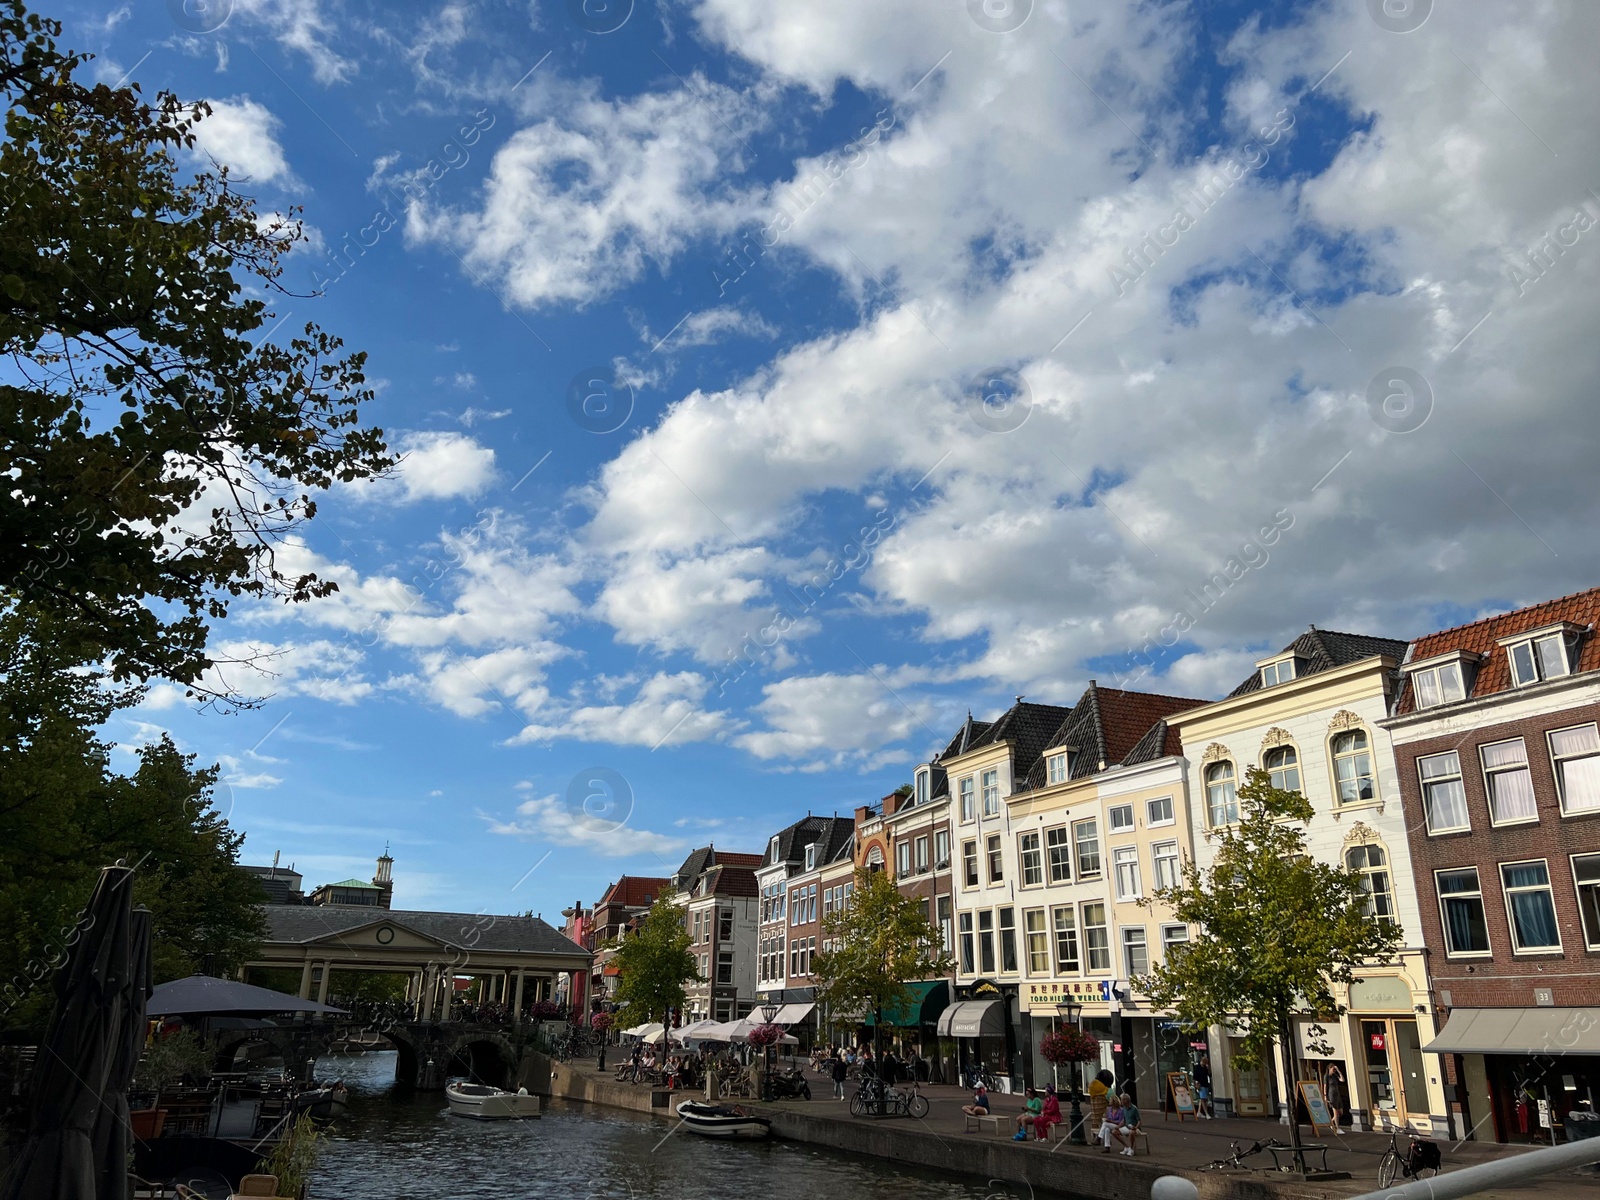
811 857
772 850
1542 653
1281 671
1442 679
919 793
1058 767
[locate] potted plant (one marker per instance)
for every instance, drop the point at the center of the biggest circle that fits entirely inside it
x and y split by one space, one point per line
166 1061
294 1158
1069 1044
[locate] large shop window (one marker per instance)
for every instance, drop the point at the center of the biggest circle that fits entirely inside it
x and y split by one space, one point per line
1531 905
1461 908
1444 801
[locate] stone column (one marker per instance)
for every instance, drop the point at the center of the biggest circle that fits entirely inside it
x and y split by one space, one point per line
305 980
430 985
322 988
516 1011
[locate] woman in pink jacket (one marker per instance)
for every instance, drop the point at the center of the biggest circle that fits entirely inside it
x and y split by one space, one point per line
1050 1116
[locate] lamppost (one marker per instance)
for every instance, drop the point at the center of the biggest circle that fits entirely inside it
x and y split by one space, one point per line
769 1011
1071 1011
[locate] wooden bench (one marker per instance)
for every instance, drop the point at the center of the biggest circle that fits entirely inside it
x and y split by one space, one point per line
972 1122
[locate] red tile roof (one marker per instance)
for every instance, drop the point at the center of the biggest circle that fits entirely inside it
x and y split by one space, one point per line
735 880
1479 637
1125 717
634 891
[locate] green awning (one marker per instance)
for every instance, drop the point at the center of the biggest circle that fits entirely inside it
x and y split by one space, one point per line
928 1000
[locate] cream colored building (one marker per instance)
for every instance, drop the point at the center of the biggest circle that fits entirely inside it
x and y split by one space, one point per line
1310 714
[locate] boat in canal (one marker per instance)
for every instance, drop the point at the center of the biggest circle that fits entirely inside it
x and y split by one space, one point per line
484 1103
722 1121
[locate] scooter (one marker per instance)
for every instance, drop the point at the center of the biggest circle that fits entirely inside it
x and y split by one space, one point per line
790 1085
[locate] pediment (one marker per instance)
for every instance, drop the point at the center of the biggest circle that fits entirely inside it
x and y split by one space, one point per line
381 934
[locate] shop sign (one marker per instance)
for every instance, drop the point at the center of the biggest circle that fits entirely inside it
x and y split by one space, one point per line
1048 995
1544 1114
1380 993
984 987
1377 1041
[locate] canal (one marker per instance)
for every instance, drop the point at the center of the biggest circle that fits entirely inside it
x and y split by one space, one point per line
404 1146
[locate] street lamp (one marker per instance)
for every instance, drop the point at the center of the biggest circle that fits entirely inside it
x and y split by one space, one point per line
1071 1011
770 1012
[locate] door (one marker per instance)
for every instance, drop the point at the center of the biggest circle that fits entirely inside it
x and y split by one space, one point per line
1250 1095
1408 1062
1395 1079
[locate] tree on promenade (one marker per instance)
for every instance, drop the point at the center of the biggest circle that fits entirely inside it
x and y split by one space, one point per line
158 449
653 963
873 946
1278 931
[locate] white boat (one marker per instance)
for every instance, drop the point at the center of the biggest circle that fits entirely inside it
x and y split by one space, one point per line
722 1120
490 1103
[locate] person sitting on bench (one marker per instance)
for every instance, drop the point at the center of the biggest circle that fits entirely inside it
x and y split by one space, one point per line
1128 1130
1031 1108
1110 1123
1050 1116
980 1103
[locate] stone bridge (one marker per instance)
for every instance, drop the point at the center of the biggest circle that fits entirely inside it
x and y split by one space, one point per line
428 1052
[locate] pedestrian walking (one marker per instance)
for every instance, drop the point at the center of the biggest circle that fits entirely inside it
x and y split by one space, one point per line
1202 1088
1334 1093
838 1070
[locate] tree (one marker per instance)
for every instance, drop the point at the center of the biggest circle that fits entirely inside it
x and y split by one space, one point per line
874 946
654 963
1279 932
157 447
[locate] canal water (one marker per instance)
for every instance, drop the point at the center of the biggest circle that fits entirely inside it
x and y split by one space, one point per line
405 1146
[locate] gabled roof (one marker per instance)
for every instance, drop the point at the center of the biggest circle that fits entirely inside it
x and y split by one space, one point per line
1108 726
831 835
965 739
527 935
703 859
1025 726
1480 637
727 880
635 891
1325 649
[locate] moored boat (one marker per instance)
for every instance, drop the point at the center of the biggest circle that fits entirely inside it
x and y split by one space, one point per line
485 1103
722 1120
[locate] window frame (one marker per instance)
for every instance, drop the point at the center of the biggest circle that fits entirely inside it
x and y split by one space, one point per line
1368 870
1064 849
1590 943
1167 941
1127 856
902 858
1071 929
969 863
1336 756
1032 938
1483 909
1087 944
1232 804
1558 761
1427 808
1277 669
1153 822
1037 858
944 908
1157 858
1006 919
1056 768
1293 766
1532 641
968 943
1113 812
921 863
994 854
1078 842
989 791
1126 945
1437 674
941 848
1488 773
966 799
1549 890
986 943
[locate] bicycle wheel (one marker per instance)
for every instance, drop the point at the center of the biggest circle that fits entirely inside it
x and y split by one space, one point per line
1388 1169
857 1105
918 1106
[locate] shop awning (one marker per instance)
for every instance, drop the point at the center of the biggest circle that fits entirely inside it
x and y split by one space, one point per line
1519 1031
928 1000
974 1018
791 1014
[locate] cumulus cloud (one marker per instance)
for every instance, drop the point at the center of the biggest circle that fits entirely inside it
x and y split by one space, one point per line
243 135
434 465
549 819
666 709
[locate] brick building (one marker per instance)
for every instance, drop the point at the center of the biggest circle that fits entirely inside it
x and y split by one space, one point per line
718 893
1496 733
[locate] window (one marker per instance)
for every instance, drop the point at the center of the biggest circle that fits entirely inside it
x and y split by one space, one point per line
1066 929
811 903
725 925
1172 937
1056 768
1222 802
902 858
1531 905
1278 672
941 847
1135 951
1086 835
1373 864
1438 685
922 854
1507 782
772 851
1159 812
797 906
1543 657
1096 938
1008 939
1352 767
1120 817
1575 758
1164 856
725 966
1444 803
920 794
966 943
964 788
991 793
1032 859
1461 906
1033 927
1058 853
986 942
1125 859
969 863
943 909
1283 764
1586 878
996 872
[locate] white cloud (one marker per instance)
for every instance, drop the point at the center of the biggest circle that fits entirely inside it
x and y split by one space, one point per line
434 465
302 27
839 720
549 819
666 710
243 135
710 326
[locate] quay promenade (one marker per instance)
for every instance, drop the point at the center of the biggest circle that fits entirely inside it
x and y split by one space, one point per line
941 1140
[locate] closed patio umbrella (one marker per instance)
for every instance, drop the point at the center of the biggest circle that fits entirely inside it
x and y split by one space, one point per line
78 1076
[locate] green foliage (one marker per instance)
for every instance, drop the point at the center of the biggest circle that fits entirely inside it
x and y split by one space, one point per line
877 944
156 447
654 963
1278 930
172 1059
360 985
295 1157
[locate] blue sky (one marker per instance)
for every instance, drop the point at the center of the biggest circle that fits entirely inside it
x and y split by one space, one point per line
686 328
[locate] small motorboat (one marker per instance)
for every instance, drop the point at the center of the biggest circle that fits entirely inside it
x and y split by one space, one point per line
722 1120
485 1103
324 1103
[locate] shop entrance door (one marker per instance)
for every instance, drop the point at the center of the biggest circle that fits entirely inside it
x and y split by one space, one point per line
1392 1055
1251 1097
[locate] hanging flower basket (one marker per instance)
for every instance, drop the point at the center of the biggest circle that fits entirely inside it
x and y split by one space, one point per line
601 1021
1068 1045
765 1035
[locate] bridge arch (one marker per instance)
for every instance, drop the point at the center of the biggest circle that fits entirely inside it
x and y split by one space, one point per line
482 1057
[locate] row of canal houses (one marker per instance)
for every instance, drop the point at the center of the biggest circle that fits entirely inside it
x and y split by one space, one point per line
1459 773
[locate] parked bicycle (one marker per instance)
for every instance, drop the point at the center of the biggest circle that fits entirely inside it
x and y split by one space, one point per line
876 1099
1420 1159
1236 1156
